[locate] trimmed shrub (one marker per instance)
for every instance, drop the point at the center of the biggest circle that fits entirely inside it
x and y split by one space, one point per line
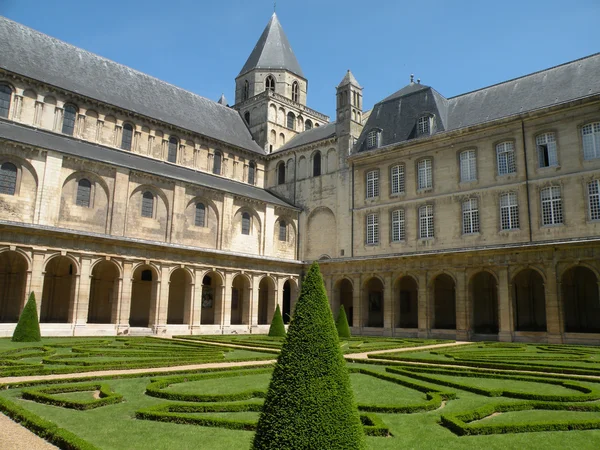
341 324
310 403
47 395
277 328
28 328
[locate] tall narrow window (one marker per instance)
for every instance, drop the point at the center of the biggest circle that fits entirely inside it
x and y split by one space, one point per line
281 173
546 147
148 204
317 164
509 211
245 223
398 226
470 212
291 121
505 154
247 117
591 140
200 219
282 231
127 137
270 83
468 165
398 179
84 193
8 178
426 222
373 184
372 228
295 91
424 174
246 91
172 154
69 116
552 213
217 163
594 199
5 95
251 172
424 125
373 139
308 125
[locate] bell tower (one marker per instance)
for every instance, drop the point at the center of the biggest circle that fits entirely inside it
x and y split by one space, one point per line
349 112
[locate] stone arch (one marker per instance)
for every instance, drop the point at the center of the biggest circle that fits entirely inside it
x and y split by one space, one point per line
180 296
13 284
302 167
317 242
272 113
406 294
317 166
529 300
373 306
247 243
443 289
266 300
202 236
104 292
281 173
281 117
212 298
240 300
154 227
343 295
290 170
581 304
483 290
144 292
290 295
95 216
20 206
58 294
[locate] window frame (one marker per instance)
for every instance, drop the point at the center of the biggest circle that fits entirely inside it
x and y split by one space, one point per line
290 123
398 225
200 217
547 151
427 171
80 199
317 166
217 167
295 92
372 184
9 183
593 209
372 229
246 223
471 223
127 142
281 173
468 165
505 158
173 150
270 83
426 222
595 138
551 208
422 130
9 91
373 138
398 179
252 173
283 236
66 125
509 211
148 211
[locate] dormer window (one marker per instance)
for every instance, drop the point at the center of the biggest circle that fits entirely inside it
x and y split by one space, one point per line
373 139
424 125
270 83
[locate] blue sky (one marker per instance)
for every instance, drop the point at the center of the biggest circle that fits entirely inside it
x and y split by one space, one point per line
454 46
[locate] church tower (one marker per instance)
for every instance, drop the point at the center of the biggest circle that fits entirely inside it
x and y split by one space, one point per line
271 90
348 124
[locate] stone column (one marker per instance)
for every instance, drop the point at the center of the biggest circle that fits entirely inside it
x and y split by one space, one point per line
424 316
226 302
119 207
124 307
196 306
160 307
357 319
461 298
254 295
82 297
505 333
36 284
388 305
553 315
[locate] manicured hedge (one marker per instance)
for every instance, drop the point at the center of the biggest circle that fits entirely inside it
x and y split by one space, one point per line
374 426
341 324
47 396
28 327
277 328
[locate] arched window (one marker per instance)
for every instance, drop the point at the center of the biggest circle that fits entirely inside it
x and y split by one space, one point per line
282 231
200 220
84 193
8 178
281 173
247 117
317 164
295 91
291 121
148 204
270 83
127 137
146 275
251 173
5 95
70 113
308 125
246 92
245 223
172 155
217 163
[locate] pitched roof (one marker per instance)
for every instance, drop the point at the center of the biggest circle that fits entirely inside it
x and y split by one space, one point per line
272 51
349 79
315 134
222 100
43 58
81 149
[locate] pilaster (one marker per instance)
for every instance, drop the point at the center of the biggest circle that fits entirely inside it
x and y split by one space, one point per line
504 307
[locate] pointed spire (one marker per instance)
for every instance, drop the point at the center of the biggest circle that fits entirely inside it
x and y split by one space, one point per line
349 79
273 51
222 100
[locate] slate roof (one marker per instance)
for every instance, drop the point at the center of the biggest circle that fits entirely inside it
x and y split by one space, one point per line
41 57
71 146
273 51
349 79
397 114
315 134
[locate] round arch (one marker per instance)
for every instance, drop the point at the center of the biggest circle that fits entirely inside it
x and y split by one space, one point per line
580 300
443 290
58 294
406 301
529 300
373 306
483 293
14 266
144 291
104 291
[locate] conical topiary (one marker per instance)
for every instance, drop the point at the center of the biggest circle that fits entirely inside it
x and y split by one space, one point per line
277 329
341 324
310 403
28 328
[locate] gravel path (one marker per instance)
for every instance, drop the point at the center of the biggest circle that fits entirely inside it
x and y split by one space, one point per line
15 437
403 349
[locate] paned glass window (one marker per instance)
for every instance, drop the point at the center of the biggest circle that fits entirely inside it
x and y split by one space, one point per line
172 154
591 140
308 125
251 173
127 137
425 179
398 179
295 91
373 184
317 164
552 212
69 116
373 139
470 212
84 193
5 95
426 222
148 204
398 226
594 199
424 125
8 178
200 219
468 165
505 154
372 228
245 223
546 147
291 121
281 173
217 163
270 83
509 211
282 231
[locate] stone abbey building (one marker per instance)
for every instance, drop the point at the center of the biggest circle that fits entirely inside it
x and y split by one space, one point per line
130 206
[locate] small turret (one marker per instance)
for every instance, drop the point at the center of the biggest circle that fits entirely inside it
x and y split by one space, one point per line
349 108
